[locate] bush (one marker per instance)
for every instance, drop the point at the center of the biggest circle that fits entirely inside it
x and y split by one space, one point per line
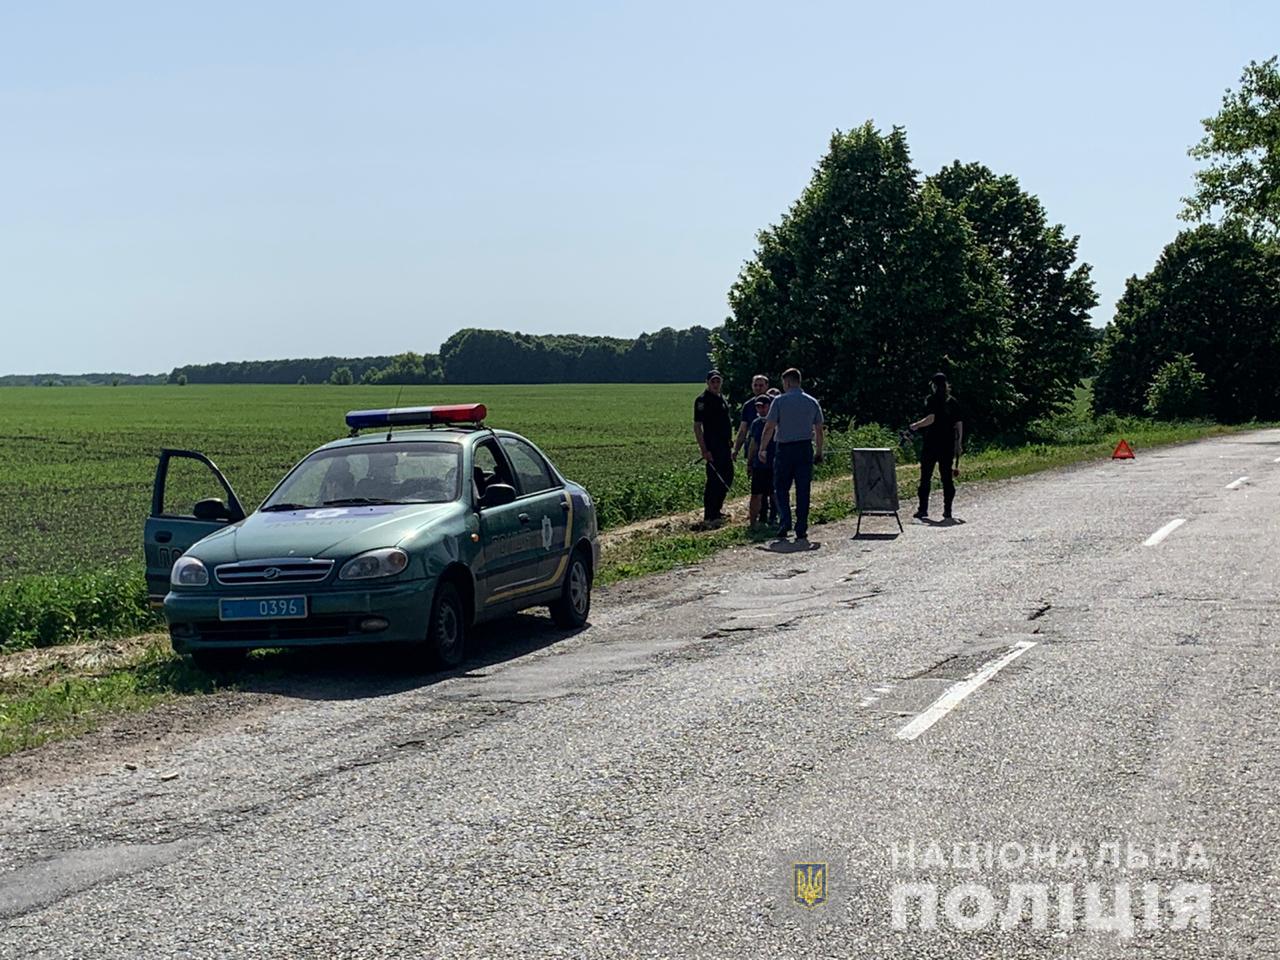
46 610
1178 391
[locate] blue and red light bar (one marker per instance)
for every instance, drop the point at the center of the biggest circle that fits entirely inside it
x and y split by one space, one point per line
416 416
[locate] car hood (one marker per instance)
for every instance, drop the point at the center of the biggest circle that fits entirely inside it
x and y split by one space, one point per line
330 532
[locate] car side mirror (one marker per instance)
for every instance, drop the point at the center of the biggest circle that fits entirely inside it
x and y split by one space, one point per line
497 495
211 509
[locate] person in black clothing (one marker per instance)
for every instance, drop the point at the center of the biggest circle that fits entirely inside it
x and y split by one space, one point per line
943 440
713 429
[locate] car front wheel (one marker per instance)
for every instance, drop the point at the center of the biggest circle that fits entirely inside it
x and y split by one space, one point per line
447 629
574 605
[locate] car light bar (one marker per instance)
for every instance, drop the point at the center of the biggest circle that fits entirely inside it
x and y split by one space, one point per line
416 416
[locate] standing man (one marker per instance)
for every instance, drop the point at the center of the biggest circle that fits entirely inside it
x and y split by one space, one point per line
943 426
761 469
759 386
713 429
795 421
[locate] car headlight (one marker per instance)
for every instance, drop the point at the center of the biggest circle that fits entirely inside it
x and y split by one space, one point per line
386 562
188 572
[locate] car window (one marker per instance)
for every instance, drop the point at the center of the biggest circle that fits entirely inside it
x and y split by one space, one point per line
532 470
489 466
407 472
186 482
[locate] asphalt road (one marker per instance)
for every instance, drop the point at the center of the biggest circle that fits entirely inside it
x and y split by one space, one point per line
647 786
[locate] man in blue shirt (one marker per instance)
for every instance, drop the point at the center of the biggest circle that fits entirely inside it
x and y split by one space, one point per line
795 421
759 387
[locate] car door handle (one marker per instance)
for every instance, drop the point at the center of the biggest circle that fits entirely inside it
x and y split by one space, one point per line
523 518
564 505
163 536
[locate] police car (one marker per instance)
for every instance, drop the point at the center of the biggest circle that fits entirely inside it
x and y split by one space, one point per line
411 534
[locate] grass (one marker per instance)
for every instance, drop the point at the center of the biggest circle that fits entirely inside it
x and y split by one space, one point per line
76 463
67 699
41 611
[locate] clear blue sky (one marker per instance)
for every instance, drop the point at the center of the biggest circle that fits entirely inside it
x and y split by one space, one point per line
187 183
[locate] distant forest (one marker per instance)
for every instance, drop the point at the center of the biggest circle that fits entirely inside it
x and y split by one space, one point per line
469 356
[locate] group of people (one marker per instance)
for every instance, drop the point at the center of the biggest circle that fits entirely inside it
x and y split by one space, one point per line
782 434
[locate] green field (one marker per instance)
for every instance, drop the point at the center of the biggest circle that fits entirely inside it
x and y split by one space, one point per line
76 463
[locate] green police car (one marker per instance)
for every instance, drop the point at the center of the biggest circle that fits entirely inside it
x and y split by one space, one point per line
404 535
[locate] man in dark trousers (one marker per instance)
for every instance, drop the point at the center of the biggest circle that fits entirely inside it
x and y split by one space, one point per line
943 439
713 429
795 421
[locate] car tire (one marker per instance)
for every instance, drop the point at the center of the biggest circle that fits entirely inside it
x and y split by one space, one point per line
574 606
446 640
219 661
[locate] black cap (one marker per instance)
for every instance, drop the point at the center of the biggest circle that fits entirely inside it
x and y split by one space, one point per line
714 373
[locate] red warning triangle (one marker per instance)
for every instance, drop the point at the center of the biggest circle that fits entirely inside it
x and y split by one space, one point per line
1123 451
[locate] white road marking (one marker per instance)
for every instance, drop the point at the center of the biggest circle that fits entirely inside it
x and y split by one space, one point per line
958 691
1163 532
1276 460
1235 483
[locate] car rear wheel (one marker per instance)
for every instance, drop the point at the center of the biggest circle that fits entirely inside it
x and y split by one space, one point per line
574 605
446 642
219 661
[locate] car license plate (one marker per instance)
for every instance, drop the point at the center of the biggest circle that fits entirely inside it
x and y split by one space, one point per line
263 608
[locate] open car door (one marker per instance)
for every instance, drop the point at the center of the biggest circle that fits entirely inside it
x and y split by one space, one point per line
182 512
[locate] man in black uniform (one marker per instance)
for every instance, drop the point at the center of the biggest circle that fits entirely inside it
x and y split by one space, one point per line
943 441
713 429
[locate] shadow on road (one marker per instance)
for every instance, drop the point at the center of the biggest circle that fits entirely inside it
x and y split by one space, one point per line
359 672
790 546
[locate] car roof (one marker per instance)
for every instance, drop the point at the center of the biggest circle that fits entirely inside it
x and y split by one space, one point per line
458 435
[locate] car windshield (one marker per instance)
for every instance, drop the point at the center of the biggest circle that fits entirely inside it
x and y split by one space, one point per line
407 472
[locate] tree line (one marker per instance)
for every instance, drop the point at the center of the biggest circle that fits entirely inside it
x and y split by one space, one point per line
490 356
1199 335
876 277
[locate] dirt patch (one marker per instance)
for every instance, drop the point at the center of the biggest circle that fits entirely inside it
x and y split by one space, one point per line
131 738
75 658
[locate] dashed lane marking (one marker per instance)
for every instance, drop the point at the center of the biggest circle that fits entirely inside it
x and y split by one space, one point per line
1236 483
958 691
1163 532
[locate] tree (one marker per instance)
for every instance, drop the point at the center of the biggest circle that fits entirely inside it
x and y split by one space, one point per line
1050 296
182 380
870 283
405 368
1241 146
302 380
341 376
1178 391
1214 294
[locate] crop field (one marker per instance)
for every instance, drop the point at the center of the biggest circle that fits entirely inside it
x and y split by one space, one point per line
76 463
